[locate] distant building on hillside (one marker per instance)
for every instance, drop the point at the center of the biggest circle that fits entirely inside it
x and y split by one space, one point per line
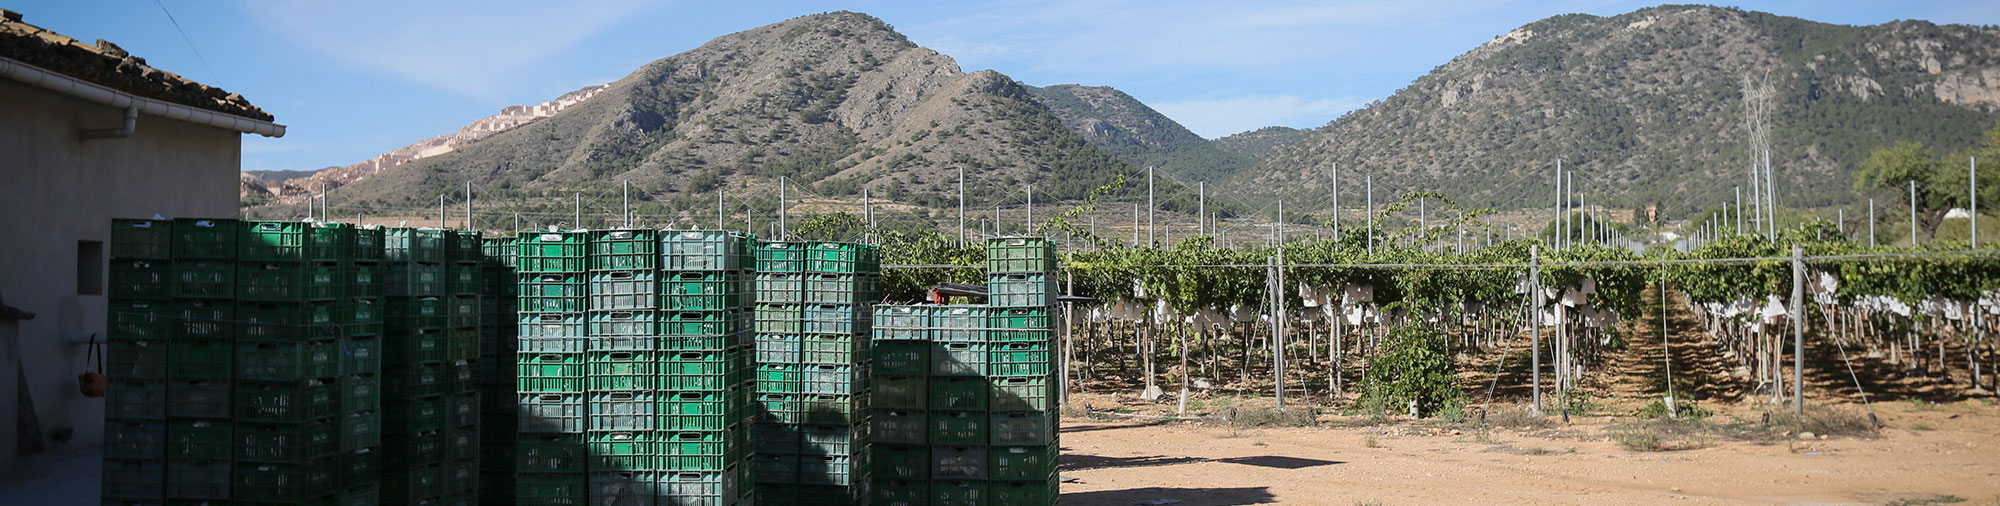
88 133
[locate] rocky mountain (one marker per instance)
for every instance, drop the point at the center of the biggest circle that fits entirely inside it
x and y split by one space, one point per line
1137 134
836 103
1649 107
1259 143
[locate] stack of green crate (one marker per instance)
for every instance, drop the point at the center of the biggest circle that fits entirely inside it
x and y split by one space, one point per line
417 373
142 324
465 282
813 302
964 394
497 421
622 361
703 359
549 450
361 365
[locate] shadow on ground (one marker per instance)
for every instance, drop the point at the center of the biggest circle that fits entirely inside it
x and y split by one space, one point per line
1184 496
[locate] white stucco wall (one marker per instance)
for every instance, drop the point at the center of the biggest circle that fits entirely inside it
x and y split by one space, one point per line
55 190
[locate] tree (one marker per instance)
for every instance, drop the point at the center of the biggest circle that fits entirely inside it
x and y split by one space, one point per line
1894 168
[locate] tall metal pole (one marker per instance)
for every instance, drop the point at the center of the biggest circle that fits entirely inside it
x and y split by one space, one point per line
1972 200
1280 230
1569 183
441 211
1871 223
628 204
1555 226
1370 181
718 210
1336 201
1135 225
1535 321
1739 209
1913 213
577 207
1149 207
868 212
468 206
1201 208
1798 330
324 214
782 231
1770 198
1280 328
961 207
1031 209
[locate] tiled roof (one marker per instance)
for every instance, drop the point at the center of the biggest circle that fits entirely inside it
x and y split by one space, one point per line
106 64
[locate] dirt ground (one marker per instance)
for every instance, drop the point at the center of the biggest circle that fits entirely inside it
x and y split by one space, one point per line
1931 454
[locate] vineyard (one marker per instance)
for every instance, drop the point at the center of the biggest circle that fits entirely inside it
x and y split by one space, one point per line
1394 321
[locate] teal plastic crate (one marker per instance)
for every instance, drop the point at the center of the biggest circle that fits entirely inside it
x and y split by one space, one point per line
780 408
293 241
833 319
902 323
959 359
901 357
626 290
624 323
781 257
135 439
623 449
831 409
201 359
290 320
553 292
841 258
697 410
198 479
901 492
699 488
961 323
140 359
623 411
706 250
1019 359
779 348
137 239
1024 492
414 245
1025 318
694 370
550 372
781 287
205 238
1020 255
621 370
1020 289
370 244
704 290
140 399
550 325
624 249
780 319
547 412
833 349
696 450
780 378
844 379
841 288
416 280
686 323
546 252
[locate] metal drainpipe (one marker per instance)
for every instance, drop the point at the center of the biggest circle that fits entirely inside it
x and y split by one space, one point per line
131 125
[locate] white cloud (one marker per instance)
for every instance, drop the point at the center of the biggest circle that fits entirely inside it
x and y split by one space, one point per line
474 48
1212 118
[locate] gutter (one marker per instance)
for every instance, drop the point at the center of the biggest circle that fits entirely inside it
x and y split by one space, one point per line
133 104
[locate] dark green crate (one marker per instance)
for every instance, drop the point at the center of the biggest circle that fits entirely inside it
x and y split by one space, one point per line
959 358
289 320
551 489
551 412
824 378
205 319
1018 359
901 492
135 439
461 345
497 252
900 461
207 239
552 291
141 399
361 355
462 410
363 318
775 469
704 290
833 470
204 279
550 252
200 438
196 398
623 449
1024 492
462 445
624 249
831 409
413 245
287 442
360 393
366 281
465 280
901 357
624 323
416 280
705 342
370 244
415 347
958 427
421 380
1020 255
780 408
693 450
1022 393
137 239
142 319
1022 428
626 290
700 487
134 482
623 410
621 370
201 359
142 279
138 359
964 393
706 250
622 485
461 312
198 479
1008 336
414 483
835 257
899 392
462 247
777 438
959 462
287 360
412 314
291 401
461 378
779 348
550 453
361 467
833 439
1021 463
405 416
959 493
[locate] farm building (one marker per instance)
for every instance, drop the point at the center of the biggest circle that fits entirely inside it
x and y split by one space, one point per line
87 133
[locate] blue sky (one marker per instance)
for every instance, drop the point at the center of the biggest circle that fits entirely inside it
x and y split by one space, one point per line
355 78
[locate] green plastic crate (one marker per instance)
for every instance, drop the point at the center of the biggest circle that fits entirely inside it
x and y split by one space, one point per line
693 323
550 372
1020 289
706 250
960 323
959 358
289 321
292 241
553 292
1022 393
465 280
699 488
623 410
902 323
626 290
704 290
461 312
1023 492
900 462
1020 255
287 359
841 258
901 492
191 398
198 479
1018 359
823 288
1022 428
780 378
1021 463
134 482
141 279
958 427
413 245
136 239
775 469
365 281
420 380
963 393
550 453
1025 318
139 399
461 344
551 489
370 245
200 438
135 439
833 439
289 482
364 318
621 370
205 238
204 279
624 249
833 470
698 410
901 357
360 393
832 409
142 319
844 379
781 257
290 401
780 319
415 280
201 359
959 493
900 426
833 319
622 485
833 349
462 247
959 462
780 408
136 359
694 370
543 252
287 442
623 449
624 323
361 355
695 450
896 391
779 348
